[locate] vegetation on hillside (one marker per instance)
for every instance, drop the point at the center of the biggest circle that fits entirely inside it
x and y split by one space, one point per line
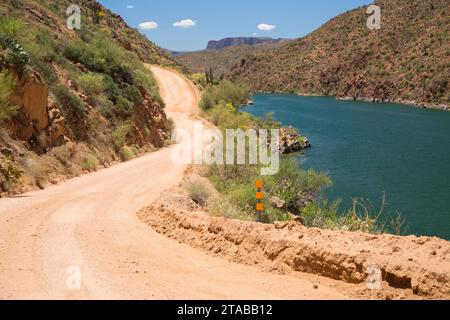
220 61
104 100
7 111
407 60
225 91
293 193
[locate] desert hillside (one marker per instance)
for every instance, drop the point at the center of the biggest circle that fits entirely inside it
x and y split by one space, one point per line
220 61
73 100
407 60
239 41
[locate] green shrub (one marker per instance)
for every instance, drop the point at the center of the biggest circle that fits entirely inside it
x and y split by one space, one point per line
91 163
9 174
170 126
16 4
7 111
11 27
111 88
199 79
92 83
47 71
133 94
243 196
123 108
198 192
40 45
226 116
224 208
106 107
122 73
225 91
145 79
294 186
126 153
70 104
13 55
120 135
100 55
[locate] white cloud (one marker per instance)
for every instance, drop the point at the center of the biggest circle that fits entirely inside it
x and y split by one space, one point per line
148 25
130 7
266 27
187 23
254 34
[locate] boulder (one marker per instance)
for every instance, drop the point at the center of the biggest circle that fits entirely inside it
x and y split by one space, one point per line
291 141
31 96
37 114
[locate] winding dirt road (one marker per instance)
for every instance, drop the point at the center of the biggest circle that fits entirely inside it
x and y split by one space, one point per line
89 224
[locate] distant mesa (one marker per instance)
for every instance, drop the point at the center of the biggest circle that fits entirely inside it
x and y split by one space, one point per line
239 41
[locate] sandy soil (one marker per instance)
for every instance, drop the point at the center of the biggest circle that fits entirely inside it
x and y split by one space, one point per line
90 223
409 267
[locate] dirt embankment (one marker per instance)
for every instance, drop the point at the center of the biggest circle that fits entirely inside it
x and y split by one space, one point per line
411 267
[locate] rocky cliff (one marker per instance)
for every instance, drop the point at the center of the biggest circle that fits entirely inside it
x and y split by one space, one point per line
239 41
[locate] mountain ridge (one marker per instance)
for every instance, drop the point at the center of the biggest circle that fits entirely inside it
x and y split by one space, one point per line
239 41
405 61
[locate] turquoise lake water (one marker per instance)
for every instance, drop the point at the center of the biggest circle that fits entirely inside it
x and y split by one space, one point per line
368 149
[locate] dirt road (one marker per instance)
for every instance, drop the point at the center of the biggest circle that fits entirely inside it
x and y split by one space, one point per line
89 224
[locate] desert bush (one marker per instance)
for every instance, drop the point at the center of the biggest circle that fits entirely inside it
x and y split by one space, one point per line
105 106
170 126
71 105
99 55
40 45
122 73
91 163
224 208
123 108
13 55
226 116
126 153
271 215
9 174
294 186
132 94
198 192
92 83
120 139
11 27
47 71
199 79
112 89
120 134
145 78
39 172
16 4
243 195
361 217
225 91
63 154
7 111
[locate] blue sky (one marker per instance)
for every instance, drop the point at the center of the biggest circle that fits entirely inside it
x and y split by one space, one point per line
203 20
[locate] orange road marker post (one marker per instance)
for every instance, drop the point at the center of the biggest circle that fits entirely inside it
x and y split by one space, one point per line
259 199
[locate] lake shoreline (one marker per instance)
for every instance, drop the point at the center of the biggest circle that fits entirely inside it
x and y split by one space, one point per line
358 171
411 103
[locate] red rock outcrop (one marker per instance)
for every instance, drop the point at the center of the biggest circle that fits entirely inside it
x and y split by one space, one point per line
149 122
36 114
